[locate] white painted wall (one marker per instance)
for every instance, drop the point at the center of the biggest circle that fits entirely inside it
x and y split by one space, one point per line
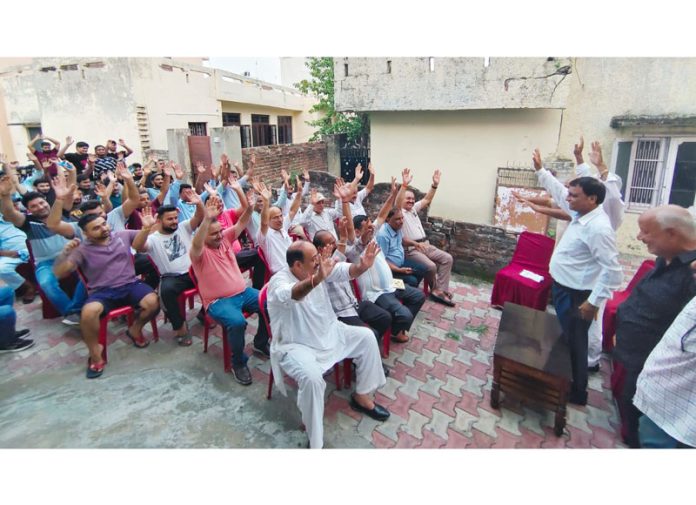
467 146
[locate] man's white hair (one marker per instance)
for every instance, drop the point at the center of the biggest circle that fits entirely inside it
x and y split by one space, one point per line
676 218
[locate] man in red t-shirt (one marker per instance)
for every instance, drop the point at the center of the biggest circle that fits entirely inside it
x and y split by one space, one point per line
222 287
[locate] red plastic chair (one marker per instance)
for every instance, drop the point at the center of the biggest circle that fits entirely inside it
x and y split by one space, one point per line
208 323
188 295
533 253
609 317
126 311
48 310
386 338
347 363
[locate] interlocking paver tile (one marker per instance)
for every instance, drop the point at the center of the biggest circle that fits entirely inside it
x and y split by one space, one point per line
366 427
407 441
505 440
380 441
446 356
456 440
411 386
401 405
427 357
486 423
407 357
510 422
415 345
599 418
604 439
480 440
464 356
577 417
350 423
424 404
414 424
446 403
432 386
532 421
389 389
453 385
473 385
419 371
439 423
469 402
579 439
391 426
439 371
399 371
529 439
431 440
458 369
433 345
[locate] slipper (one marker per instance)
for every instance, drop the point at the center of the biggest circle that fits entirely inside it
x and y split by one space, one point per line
400 341
94 370
141 343
441 300
184 340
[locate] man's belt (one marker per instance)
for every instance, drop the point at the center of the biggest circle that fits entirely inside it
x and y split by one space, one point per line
421 239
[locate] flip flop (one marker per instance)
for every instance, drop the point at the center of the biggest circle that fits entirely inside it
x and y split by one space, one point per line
141 343
184 340
441 300
94 370
399 341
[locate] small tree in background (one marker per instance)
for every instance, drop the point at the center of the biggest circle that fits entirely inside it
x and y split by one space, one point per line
321 85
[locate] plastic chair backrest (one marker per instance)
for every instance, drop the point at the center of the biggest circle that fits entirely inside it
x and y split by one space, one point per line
643 269
533 251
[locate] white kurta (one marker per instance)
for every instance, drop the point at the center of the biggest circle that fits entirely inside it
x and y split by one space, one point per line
308 340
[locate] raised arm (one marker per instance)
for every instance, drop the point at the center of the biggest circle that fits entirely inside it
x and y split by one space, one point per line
428 198
577 151
148 221
264 193
9 212
554 187
54 222
297 200
199 215
56 144
358 176
68 142
388 204
133 201
554 212
406 179
122 143
344 193
323 270
371 181
30 145
212 211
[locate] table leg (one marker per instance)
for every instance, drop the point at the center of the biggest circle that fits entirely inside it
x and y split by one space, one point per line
495 390
560 419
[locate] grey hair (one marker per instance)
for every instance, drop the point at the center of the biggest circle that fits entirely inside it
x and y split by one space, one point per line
677 218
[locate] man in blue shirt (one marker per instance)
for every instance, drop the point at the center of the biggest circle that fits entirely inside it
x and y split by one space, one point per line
390 240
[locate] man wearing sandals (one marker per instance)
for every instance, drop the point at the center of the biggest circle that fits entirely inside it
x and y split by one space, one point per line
169 248
106 261
438 263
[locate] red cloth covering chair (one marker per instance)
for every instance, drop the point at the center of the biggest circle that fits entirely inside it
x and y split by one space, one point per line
609 318
386 338
126 311
347 363
48 310
533 253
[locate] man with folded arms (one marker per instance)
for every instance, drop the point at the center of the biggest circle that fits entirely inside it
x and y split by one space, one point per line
308 338
106 261
417 248
222 287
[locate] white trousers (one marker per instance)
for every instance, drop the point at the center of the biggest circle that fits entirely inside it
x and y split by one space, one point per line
594 338
302 365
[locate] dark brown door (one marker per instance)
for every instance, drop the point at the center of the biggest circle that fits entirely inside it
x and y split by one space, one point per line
199 151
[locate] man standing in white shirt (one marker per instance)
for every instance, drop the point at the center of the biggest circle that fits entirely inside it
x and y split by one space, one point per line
316 217
584 266
308 339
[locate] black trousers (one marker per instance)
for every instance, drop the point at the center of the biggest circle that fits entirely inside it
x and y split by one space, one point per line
170 289
402 305
566 302
630 411
249 258
372 316
143 266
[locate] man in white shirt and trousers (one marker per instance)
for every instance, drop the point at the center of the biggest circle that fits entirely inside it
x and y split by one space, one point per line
584 267
308 339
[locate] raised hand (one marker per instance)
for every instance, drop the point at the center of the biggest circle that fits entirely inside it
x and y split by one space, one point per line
262 190
367 259
596 154
370 169
284 175
6 186
211 190
325 266
178 172
224 160
312 196
214 170
123 172
359 172
68 141
343 227
195 198
147 218
343 191
305 174
100 190
122 142
577 150
91 157
536 159
213 207
406 177
252 159
61 188
200 167
436 177
68 248
394 187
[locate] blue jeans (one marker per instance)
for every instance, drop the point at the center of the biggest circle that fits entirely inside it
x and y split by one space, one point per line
419 271
654 437
8 317
51 288
228 312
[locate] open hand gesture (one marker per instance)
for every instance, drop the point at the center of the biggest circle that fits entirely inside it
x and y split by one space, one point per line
211 190
536 159
305 174
6 186
578 148
200 167
436 177
61 188
367 259
68 141
122 142
213 207
370 169
343 191
178 172
596 154
325 266
147 218
406 176
359 172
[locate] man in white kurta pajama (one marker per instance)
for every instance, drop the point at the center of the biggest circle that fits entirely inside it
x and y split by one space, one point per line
308 339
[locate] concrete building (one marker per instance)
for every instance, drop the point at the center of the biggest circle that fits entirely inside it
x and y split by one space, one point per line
470 116
140 100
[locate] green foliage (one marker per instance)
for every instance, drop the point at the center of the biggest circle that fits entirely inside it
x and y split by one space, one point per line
452 335
481 329
321 85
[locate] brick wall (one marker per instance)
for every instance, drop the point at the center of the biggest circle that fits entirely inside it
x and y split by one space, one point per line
477 249
270 160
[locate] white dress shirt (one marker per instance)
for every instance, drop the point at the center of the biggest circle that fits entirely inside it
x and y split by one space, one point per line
315 222
275 245
309 322
613 205
666 390
356 208
413 228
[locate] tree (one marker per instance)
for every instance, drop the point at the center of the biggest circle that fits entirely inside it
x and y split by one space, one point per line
321 85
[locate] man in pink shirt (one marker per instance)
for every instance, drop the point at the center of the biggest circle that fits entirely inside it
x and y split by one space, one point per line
222 287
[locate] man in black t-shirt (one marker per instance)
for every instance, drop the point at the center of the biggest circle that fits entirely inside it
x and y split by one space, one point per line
80 158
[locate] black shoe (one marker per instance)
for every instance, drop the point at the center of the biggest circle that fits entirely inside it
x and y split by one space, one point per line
22 333
593 369
578 398
378 413
264 350
242 375
17 345
386 370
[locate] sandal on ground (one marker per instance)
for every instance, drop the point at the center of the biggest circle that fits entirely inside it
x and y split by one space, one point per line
184 340
397 340
140 343
442 300
94 370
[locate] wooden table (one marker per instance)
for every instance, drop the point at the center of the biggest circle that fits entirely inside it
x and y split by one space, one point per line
531 361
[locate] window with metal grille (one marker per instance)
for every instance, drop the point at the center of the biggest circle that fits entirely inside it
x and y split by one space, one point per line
285 129
231 119
245 132
198 129
645 177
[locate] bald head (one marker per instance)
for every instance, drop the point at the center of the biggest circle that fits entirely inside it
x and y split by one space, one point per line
668 230
302 258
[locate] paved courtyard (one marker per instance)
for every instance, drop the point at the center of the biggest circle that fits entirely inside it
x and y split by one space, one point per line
438 392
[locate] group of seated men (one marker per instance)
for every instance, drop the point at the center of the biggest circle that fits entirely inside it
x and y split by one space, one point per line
133 232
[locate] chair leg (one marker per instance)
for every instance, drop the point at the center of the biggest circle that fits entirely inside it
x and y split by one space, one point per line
190 302
155 333
386 340
270 385
226 351
206 330
337 376
347 372
102 336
